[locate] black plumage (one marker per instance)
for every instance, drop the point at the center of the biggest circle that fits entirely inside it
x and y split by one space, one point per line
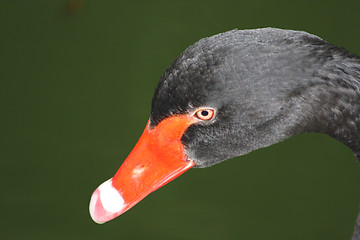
266 85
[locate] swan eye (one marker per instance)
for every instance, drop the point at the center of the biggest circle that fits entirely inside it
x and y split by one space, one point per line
204 114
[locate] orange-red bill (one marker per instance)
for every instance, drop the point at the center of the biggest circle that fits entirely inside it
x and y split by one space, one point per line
156 159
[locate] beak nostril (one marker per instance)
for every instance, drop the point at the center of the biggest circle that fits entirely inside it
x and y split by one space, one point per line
137 172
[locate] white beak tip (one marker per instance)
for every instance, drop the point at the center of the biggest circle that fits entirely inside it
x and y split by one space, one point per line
106 203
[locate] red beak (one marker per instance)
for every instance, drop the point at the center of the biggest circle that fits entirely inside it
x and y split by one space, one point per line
156 159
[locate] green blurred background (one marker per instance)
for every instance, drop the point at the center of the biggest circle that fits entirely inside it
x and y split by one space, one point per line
77 78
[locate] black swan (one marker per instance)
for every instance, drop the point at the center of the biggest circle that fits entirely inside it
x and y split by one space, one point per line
230 94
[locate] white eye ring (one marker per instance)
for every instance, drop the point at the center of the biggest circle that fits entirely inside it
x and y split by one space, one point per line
204 114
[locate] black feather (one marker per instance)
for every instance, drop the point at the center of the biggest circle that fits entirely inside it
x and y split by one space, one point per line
267 85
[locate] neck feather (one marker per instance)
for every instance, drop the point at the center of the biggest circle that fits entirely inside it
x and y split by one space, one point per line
336 99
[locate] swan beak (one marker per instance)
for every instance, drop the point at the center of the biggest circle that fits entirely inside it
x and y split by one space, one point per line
156 159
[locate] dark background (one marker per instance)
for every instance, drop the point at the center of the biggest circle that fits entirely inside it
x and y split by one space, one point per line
77 78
